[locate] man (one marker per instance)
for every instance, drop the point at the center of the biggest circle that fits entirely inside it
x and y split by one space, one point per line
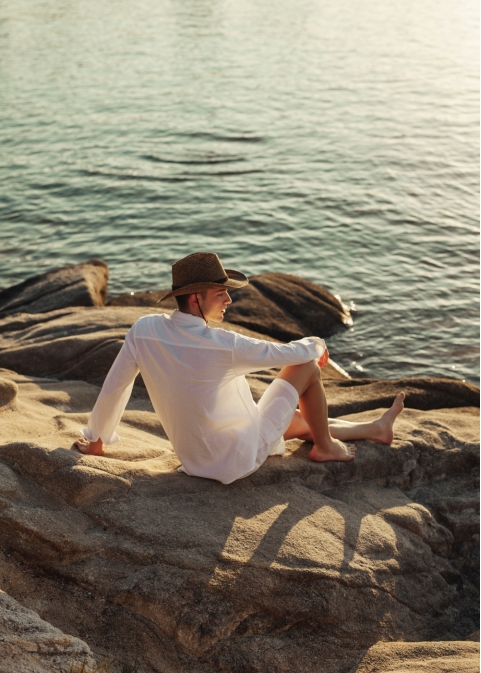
195 376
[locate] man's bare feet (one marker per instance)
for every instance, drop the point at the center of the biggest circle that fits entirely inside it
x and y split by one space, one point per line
384 425
337 450
90 448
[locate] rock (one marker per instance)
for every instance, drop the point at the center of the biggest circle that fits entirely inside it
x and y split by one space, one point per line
28 644
300 568
421 393
82 284
279 305
8 393
451 657
8 481
149 298
286 307
72 342
81 343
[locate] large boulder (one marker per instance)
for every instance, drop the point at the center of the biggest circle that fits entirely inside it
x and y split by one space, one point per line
78 343
301 567
82 284
287 307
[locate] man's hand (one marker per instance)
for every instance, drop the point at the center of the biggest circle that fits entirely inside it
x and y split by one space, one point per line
324 359
90 448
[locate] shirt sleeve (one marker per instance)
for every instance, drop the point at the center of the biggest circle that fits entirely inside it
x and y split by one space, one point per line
113 398
252 355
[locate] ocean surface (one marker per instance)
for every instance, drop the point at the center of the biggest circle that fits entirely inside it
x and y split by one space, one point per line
333 140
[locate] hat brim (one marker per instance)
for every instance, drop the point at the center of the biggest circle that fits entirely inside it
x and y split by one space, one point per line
235 280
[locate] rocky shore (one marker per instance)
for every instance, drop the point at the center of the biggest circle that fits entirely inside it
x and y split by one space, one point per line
364 567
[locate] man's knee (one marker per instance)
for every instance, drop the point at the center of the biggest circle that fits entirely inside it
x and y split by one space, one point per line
301 376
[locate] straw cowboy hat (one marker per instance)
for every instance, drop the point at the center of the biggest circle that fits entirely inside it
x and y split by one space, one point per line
202 271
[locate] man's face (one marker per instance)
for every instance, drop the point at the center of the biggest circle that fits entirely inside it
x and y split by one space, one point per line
215 303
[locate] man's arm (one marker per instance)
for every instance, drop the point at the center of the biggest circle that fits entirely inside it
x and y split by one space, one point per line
251 355
111 402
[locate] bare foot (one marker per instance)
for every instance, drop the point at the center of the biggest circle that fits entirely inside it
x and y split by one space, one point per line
384 434
90 448
336 451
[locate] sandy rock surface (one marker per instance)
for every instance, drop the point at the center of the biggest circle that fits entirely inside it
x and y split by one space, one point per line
451 657
28 644
370 566
82 284
299 567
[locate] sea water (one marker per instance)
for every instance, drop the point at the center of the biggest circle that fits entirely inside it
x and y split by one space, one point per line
337 141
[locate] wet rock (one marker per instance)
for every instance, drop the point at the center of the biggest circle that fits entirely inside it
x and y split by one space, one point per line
286 307
28 644
300 567
82 284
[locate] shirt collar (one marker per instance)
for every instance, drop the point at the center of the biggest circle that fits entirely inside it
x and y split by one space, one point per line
186 319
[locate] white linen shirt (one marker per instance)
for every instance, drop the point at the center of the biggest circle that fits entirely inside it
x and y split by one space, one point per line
195 377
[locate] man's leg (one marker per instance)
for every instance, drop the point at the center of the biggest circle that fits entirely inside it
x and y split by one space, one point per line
379 430
306 379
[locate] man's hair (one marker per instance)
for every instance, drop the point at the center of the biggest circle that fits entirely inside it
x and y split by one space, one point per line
183 300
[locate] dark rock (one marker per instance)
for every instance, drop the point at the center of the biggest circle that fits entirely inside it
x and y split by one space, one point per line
355 395
286 307
77 343
82 284
149 298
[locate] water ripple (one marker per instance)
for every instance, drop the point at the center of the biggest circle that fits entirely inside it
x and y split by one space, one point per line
335 141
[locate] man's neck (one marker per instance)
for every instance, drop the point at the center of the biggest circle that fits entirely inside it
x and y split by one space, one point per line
196 315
